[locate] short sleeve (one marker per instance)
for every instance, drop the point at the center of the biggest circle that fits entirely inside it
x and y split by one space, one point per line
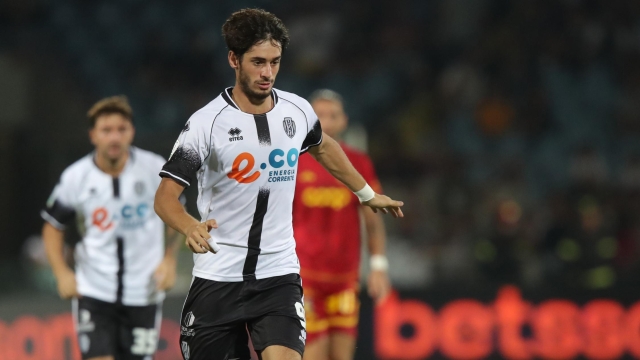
314 130
190 151
60 207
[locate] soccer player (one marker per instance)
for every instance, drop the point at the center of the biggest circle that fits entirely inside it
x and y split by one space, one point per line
122 266
241 151
326 226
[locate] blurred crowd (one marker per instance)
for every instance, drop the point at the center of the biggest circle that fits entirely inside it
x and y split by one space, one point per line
510 128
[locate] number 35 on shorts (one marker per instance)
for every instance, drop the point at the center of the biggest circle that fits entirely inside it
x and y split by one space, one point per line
145 341
301 315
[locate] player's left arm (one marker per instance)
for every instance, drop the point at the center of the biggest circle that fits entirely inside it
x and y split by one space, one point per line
165 273
378 283
331 156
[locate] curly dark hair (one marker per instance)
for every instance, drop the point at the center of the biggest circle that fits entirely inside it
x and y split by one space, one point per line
248 27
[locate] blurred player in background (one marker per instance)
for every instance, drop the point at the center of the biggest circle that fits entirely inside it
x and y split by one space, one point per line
122 266
241 151
326 225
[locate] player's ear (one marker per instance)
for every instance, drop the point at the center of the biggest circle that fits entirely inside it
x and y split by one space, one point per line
92 133
233 60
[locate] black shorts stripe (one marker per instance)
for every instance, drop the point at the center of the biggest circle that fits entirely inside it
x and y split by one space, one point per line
120 274
262 125
255 235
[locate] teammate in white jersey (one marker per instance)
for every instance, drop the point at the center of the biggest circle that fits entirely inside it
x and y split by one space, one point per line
241 151
122 268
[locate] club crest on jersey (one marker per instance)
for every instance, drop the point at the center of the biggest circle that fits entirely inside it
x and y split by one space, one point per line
139 187
289 127
235 134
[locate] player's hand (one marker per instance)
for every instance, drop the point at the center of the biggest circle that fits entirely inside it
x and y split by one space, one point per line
385 204
67 286
378 285
198 238
165 274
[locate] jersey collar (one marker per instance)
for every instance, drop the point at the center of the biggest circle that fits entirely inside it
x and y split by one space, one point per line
226 95
127 165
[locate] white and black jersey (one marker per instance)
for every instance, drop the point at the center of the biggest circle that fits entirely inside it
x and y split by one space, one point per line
244 166
122 237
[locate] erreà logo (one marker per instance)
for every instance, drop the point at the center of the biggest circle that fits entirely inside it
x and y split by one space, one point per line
235 134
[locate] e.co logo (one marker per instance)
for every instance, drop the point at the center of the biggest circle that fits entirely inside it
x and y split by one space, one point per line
242 167
130 215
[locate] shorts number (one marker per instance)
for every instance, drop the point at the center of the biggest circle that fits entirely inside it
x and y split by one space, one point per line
300 312
144 341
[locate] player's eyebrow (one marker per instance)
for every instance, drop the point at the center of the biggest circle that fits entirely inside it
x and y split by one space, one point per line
257 58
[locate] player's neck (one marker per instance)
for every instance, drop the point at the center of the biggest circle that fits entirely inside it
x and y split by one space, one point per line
111 167
249 105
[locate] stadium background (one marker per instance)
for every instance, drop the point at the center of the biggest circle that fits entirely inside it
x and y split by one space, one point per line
510 129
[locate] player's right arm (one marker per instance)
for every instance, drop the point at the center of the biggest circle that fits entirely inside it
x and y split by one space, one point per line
331 156
172 212
60 210
54 247
190 151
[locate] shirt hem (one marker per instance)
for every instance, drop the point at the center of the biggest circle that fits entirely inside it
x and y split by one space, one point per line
239 278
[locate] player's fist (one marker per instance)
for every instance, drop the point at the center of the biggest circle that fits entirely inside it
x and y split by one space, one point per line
198 238
67 286
386 205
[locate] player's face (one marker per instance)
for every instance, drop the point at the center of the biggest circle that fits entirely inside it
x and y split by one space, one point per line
331 115
112 135
258 68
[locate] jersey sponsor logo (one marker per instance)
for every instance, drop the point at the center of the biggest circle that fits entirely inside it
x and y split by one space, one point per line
100 219
130 216
242 167
235 134
134 216
335 198
289 127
